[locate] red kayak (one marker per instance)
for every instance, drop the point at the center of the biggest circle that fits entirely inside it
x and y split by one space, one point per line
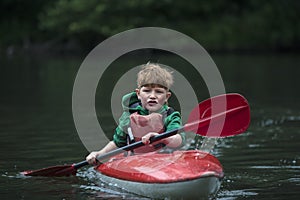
179 175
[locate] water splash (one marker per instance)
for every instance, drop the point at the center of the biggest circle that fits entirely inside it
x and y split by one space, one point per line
101 189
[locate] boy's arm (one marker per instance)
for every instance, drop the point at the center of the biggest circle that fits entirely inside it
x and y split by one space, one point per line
174 121
174 141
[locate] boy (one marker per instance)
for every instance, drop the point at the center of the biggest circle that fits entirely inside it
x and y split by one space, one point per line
146 114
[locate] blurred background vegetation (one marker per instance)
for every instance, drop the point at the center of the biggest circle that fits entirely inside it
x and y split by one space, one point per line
79 25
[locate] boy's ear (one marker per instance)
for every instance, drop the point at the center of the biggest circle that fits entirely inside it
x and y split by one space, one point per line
137 91
168 95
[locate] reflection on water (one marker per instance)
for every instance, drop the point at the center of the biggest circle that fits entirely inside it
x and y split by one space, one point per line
37 130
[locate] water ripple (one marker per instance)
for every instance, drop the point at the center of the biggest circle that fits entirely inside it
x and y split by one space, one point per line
233 194
284 120
275 167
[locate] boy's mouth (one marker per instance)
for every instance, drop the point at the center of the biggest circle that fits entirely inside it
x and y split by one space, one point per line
152 102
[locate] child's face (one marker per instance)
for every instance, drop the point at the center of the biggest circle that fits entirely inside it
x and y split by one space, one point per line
153 97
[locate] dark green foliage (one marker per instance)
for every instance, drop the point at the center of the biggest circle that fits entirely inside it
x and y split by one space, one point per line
217 25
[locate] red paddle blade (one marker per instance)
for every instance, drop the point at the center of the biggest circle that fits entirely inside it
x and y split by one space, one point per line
63 170
220 116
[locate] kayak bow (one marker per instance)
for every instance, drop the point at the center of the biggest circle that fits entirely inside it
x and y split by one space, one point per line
179 175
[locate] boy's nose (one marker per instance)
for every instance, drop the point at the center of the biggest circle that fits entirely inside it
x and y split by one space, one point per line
152 95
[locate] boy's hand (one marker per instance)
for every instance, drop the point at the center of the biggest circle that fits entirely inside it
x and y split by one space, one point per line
146 138
92 158
173 141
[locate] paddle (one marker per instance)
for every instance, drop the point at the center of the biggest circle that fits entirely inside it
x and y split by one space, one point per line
223 115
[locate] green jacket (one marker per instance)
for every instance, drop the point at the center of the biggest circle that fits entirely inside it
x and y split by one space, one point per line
171 122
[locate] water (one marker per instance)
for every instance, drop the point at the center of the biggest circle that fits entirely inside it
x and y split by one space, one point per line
37 128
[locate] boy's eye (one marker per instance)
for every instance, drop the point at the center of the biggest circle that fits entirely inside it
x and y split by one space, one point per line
159 91
146 90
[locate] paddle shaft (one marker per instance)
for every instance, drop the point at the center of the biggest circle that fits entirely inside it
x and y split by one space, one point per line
130 147
135 145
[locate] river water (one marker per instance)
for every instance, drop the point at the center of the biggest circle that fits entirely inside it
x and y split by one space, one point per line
37 128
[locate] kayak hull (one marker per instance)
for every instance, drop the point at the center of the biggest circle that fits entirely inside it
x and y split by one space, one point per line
201 188
178 175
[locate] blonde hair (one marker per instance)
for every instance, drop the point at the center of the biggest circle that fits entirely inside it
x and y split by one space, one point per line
154 74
